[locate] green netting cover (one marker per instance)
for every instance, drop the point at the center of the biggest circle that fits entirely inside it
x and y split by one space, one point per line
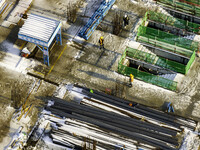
167 41
155 60
181 6
169 20
147 77
190 62
191 2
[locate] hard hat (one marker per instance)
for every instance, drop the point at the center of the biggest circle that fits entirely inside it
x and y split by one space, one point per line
131 75
125 15
101 37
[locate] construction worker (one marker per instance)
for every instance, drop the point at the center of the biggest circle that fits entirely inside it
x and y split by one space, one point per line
131 80
126 20
197 53
101 40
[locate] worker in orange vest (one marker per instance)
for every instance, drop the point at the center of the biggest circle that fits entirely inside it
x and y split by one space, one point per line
131 80
101 40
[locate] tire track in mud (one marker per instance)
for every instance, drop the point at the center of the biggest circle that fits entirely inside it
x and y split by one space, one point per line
189 85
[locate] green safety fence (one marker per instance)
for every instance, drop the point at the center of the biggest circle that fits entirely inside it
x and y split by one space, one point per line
190 62
155 60
191 2
147 77
140 55
166 41
175 22
181 6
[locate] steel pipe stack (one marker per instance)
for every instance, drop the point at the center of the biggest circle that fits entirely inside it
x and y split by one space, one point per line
102 122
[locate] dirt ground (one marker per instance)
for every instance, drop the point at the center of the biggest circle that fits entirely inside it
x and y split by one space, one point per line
82 62
14 89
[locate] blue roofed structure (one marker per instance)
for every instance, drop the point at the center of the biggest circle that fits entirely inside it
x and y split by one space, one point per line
41 31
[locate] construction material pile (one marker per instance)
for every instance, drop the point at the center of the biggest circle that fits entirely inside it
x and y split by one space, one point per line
103 121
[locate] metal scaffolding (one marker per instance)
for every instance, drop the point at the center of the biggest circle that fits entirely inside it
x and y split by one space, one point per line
41 31
96 19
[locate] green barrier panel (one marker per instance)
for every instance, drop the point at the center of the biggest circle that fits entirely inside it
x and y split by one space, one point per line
175 22
155 60
191 2
157 42
167 41
147 77
172 65
140 55
181 6
190 62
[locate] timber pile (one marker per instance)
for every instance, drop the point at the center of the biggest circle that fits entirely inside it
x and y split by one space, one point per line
103 121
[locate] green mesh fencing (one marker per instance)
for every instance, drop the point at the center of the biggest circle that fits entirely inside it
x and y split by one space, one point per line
155 60
147 77
191 2
171 65
166 41
140 55
190 62
175 22
181 6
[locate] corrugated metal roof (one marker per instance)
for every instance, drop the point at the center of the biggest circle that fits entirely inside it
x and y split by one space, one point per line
39 27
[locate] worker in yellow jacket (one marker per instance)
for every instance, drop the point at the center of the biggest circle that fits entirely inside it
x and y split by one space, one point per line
101 40
131 80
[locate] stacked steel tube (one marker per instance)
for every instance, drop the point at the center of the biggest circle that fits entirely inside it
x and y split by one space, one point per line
107 122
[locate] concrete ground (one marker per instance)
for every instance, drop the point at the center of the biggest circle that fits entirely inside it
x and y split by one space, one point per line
82 62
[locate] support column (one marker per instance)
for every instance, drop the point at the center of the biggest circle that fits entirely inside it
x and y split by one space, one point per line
60 38
57 38
46 56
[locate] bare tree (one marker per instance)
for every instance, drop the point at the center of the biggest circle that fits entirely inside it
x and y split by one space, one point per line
72 10
16 95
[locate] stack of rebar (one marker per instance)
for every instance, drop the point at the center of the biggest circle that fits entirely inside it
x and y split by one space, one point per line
103 121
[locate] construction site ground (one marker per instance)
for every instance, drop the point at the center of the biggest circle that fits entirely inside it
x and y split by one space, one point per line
82 62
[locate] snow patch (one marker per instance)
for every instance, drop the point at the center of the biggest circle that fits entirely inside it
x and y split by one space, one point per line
60 92
79 54
133 1
191 141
